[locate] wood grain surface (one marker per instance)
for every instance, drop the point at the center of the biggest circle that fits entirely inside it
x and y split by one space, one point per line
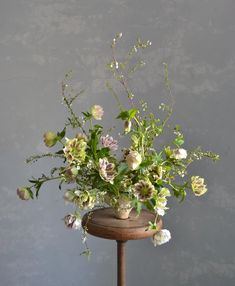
103 223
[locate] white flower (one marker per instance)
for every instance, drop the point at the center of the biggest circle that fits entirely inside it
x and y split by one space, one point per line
133 160
161 237
179 154
161 212
97 112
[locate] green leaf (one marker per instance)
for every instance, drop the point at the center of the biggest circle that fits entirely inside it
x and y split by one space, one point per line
177 127
104 152
152 226
132 113
127 114
37 188
158 158
138 206
124 115
168 151
149 205
122 170
94 141
178 141
180 190
60 135
59 152
30 193
87 115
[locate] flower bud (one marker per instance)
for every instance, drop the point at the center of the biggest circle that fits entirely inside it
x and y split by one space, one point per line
24 193
72 221
127 126
50 138
70 174
69 196
97 112
133 160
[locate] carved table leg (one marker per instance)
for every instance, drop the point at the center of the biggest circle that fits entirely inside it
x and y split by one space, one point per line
121 263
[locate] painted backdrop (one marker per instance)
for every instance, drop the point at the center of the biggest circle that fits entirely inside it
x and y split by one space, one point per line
40 40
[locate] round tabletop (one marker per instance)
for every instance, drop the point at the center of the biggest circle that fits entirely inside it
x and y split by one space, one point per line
104 224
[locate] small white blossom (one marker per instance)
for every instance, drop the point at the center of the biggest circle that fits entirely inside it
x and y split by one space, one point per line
97 112
179 154
161 212
161 237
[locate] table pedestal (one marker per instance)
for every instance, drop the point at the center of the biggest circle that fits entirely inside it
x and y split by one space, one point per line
121 263
103 223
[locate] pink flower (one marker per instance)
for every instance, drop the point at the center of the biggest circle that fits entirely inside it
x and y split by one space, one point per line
108 142
97 112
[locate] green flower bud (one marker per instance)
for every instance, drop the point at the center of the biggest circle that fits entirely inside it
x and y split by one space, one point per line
73 221
24 193
50 138
127 126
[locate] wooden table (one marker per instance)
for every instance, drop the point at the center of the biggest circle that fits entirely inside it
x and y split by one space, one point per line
103 223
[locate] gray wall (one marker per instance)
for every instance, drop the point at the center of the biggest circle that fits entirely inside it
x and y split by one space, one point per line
40 40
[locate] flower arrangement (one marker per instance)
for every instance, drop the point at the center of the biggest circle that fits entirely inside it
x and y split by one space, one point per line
98 172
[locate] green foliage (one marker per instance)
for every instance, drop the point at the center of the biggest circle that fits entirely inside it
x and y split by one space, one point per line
128 114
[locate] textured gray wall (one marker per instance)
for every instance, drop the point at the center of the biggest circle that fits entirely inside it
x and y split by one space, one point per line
42 39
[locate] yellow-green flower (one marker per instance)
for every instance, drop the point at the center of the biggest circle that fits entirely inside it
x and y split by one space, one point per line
75 150
84 199
198 186
50 138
